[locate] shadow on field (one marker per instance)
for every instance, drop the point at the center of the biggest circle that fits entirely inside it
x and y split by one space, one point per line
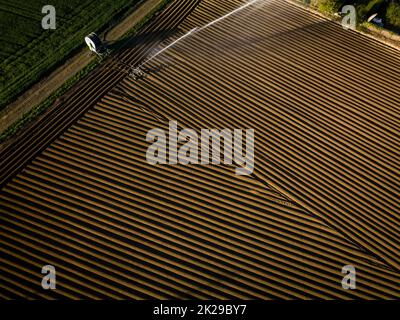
145 45
142 40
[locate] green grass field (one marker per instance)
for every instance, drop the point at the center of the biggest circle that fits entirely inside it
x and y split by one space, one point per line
27 52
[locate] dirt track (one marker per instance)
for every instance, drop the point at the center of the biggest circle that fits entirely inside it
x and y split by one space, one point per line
78 193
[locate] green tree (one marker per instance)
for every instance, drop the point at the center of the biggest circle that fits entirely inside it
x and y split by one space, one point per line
329 6
393 14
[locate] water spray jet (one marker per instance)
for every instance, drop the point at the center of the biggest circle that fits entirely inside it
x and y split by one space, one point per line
138 73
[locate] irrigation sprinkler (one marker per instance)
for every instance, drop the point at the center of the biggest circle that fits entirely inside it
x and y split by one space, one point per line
138 70
138 73
168 47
